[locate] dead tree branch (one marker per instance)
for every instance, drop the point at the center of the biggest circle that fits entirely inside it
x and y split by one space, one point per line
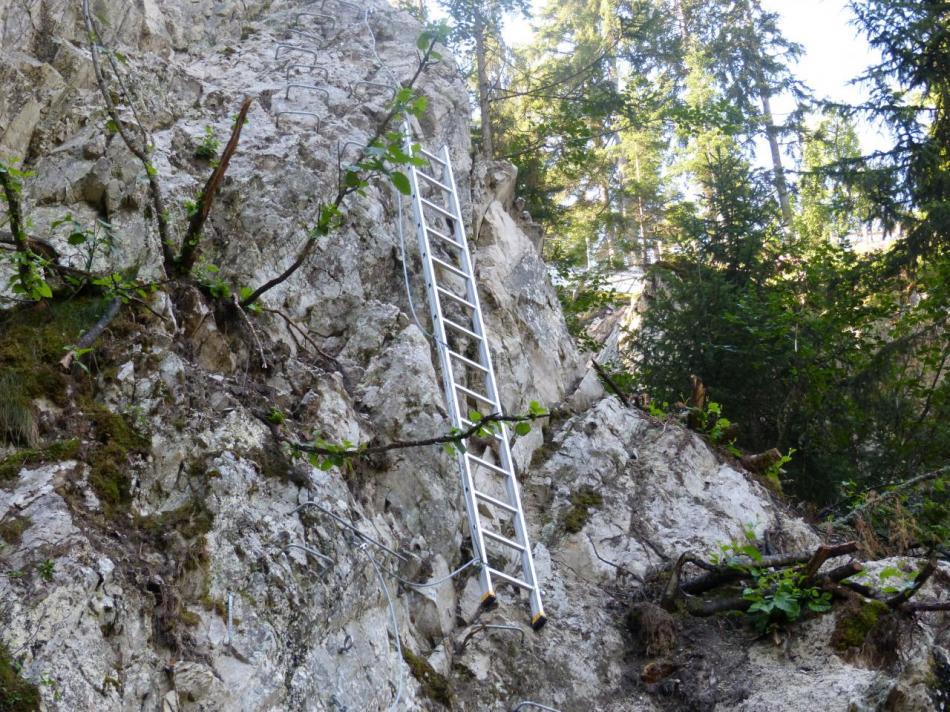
611 384
89 338
189 246
721 575
914 606
904 596
895 490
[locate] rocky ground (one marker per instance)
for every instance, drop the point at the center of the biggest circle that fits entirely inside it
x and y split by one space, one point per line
149 490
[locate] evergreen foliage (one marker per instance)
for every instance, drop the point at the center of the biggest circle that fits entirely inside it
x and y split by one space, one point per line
635 124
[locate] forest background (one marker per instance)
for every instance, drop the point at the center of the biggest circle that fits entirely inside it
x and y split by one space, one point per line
646 137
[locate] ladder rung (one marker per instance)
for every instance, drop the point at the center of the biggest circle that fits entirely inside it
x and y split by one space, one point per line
431 156
510 579
450 268
433 206
501 540
485 463
443 236
494 502
433 181
459 327
473 394
456 297
466 361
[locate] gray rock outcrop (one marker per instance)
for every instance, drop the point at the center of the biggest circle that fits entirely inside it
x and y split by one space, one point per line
127 608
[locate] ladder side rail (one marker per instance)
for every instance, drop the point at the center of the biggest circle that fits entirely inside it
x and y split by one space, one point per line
511 483
471 291
448 378
521 530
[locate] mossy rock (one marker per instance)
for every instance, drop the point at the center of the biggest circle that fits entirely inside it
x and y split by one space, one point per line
108 456
12 527
16 694
855 623
191 520
32 341
433 685
579 514
11 465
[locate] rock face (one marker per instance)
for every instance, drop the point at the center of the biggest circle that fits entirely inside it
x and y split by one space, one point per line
208 583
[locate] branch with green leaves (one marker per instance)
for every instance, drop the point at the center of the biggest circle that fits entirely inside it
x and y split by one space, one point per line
28 279
141 148
326 454
383 154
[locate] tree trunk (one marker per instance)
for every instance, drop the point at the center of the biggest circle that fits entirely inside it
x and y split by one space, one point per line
778 172
488 149
771 130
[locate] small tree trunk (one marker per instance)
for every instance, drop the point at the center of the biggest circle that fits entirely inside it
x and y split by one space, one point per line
488 149
778 173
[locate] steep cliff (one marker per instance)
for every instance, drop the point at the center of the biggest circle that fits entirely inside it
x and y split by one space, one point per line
154 502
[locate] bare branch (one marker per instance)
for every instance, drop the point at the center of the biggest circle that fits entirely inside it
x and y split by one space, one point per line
896 489
139 151
610 382
189 246
921 606
904 596
342 192
89 338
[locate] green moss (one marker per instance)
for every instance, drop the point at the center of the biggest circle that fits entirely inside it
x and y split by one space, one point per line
16 694
579 513
189 618
32 341
433 685
770 480
11 465
855 623
114 428
12 528
108 457
191 520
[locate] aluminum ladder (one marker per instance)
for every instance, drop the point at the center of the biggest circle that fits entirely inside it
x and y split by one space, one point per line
488 479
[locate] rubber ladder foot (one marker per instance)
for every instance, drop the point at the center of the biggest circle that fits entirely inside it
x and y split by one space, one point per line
537 623
489 601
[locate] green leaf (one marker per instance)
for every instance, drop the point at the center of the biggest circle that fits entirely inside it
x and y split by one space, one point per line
536 408
523 428
76 238
475 416
752 552
401 182
42 289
